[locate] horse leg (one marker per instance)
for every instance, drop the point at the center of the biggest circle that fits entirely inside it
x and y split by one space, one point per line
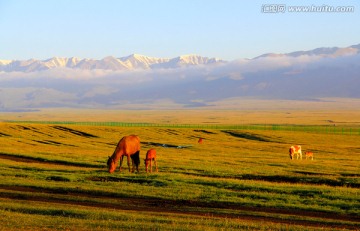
128 161
156 167
137 160
136 166
133 165
121 160
150 165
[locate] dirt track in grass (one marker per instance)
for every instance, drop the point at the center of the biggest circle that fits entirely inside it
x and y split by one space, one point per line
193 208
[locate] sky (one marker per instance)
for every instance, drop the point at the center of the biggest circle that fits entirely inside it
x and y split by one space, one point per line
225 29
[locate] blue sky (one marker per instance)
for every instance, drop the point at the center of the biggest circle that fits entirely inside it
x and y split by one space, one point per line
227 29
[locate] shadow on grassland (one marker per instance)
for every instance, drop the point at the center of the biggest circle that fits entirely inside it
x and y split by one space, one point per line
75 132
248 136
28 159
302 180
342 180
142 181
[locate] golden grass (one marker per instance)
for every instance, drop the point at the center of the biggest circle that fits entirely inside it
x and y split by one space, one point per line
327 111
210 117
239 168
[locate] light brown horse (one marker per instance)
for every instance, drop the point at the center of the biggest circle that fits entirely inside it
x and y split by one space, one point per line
128 146
200 141
150 156
308 155
296 149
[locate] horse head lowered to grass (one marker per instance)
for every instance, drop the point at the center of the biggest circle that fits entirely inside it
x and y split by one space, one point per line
128 146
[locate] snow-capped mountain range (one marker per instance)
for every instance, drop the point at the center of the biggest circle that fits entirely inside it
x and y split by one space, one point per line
131 62
136 61
188 80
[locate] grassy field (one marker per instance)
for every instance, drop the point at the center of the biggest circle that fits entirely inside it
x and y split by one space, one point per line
53 177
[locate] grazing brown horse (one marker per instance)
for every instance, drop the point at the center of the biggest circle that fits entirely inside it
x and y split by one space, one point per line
296 149
128 146
200 141
308 155
150 156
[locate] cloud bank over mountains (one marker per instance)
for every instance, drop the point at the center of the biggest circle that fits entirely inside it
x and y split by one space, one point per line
188 81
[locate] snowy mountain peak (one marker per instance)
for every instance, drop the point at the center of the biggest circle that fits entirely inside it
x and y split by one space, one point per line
5 62
136 61
135 56
72 62
55 62
189 56
193 59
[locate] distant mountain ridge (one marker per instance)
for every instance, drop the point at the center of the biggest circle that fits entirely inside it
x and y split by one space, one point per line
131 62
322 51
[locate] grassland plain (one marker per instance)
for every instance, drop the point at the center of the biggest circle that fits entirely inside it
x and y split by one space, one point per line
53 177
328 111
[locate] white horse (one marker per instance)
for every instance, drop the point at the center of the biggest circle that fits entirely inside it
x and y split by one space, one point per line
296 149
